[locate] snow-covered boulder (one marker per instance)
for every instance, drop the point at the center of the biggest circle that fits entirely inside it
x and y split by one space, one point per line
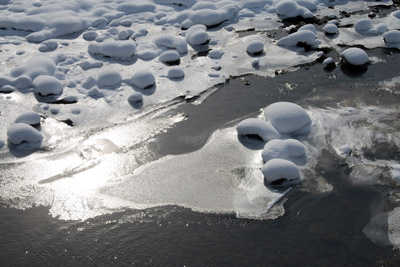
215 54
135 98
22 132
396 14
280 171
329 63
289 149
36 66
257 127
290 9
308 27
330 29
46 85
90 35
114 49
6 89
109 78
31 118
355 56
288 118
392 36
363 25
143 79
304 37
170 57
176 73
172 42
255 48
197 35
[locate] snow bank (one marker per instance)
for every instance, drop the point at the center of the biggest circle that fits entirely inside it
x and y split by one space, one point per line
47 85
114 49
109 78
289 149
143 79
288 118
197 35
355 56
278 171
31 118
22 132
257 127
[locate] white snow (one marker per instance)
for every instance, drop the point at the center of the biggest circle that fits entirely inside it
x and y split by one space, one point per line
114 49
328 60
257 127
255 47
288 118
31 118
392 36
363 25
277 169
197 35
289 149
22 132
48 46
355 56
47 85
143 79
176 73
109 78
135 98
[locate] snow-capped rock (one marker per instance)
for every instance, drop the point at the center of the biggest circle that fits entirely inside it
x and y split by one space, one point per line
170 57
197 35
175 73
304 36
288 118
259 128
109 78
330 29
172 42
355 56
47 85
280 171
143 79
289 149
22 132
392 36
31 118
291 9
255 48
114 49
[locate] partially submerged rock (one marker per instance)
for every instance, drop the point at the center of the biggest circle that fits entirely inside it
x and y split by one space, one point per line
22 132
257 127
280 172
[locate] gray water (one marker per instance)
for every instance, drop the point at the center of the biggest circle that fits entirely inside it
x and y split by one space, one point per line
317 229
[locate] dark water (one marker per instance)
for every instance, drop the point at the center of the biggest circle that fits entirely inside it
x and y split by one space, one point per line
316 230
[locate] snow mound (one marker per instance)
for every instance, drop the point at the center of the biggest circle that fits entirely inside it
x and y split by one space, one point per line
288 118
304 36
392 36
131 8
172 42
170 57
255 48
278 171
257 127
289 149
114 49
31 118
396 14
143 79
308 27
197 35
109 78
355 56
175 73
22 132
47 85
330 29
90 35
90 64
290 9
